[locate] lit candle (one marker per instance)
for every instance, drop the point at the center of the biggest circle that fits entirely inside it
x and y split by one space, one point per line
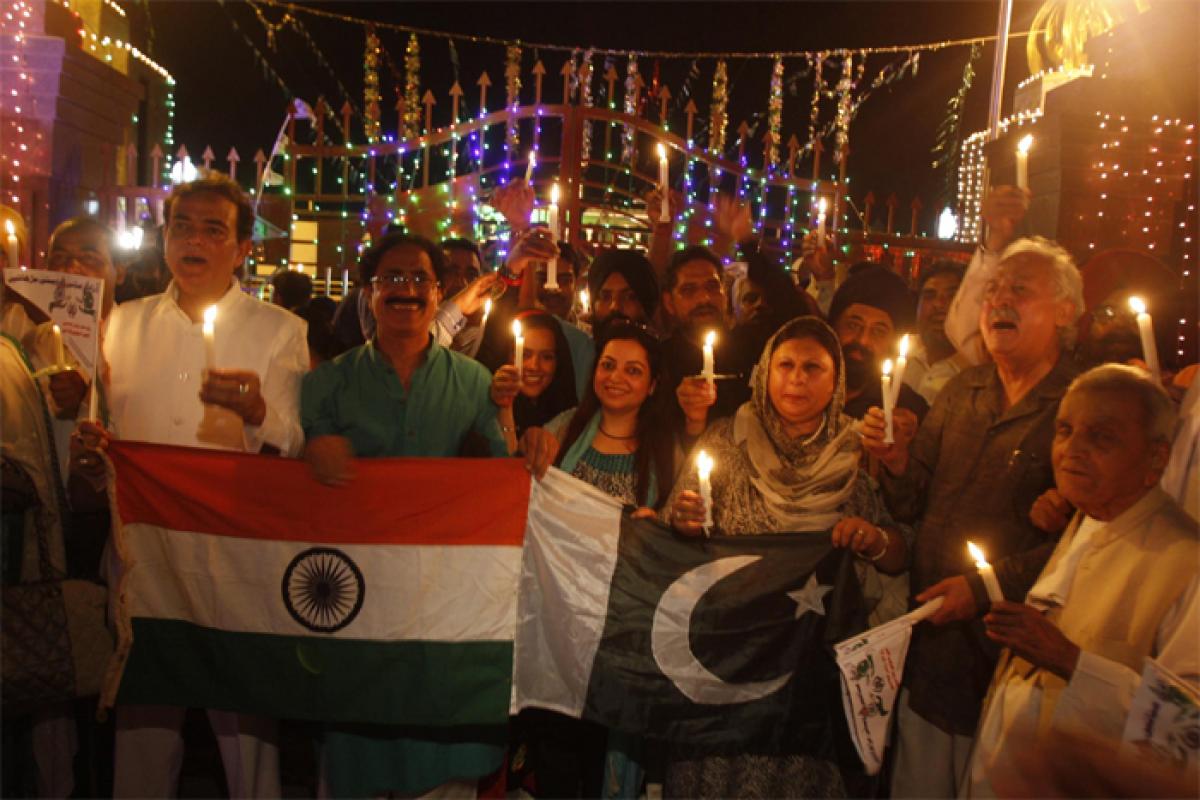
986 572
210 346
529 166
901 363
487 310
518 348
585 302
709 373
94 394
345 282
552 220
889 402
1023 160
822 205
12 248
1146 330
60 358
704 467
328 281
664 180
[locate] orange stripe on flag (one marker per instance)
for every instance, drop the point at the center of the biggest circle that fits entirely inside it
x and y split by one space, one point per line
443 501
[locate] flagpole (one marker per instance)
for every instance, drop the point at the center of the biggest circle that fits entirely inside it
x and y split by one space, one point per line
997 97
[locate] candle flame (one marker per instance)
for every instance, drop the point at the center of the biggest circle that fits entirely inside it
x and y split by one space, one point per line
904 346
704 465
977 554
887 367
554 195
516 328
662 152
584 298
822 204
710 338
57 330
9 228
1025 143
1138 305
533 158
210 315
487 306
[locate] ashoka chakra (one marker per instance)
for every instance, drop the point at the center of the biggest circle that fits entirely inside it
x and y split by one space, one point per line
323 589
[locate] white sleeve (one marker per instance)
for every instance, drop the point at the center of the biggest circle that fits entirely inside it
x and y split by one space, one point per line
1100 693
962 321
281 392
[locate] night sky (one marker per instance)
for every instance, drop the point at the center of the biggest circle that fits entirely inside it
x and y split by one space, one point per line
223 98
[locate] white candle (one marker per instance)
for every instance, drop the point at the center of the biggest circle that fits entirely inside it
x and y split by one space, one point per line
709 373
1146 330
209 330
529 166
664 180
889 402
518 348
704 466
487 310
94 394
12 248
552 220
986 572
1023 160
901 363
822 205
328 281
345 282
60 362
585 302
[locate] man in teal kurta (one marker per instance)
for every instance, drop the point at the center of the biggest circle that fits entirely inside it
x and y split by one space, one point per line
400 394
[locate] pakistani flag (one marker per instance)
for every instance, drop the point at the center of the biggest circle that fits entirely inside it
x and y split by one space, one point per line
720 642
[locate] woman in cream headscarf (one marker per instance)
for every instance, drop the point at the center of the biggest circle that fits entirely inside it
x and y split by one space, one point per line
788 460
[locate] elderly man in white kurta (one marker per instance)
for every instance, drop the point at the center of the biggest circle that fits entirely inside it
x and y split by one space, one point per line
169 384
1121 585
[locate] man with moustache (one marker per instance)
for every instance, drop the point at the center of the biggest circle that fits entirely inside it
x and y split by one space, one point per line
400 394
869 312
932 359
977 464
621 283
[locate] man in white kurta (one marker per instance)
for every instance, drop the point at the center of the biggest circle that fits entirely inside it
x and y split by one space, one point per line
241 393
1121 585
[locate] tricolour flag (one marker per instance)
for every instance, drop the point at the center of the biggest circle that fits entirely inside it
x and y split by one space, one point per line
248 586
440 593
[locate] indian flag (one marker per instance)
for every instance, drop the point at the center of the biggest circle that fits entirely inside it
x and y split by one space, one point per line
248 586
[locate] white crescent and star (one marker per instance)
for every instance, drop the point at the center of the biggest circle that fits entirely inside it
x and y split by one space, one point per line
672 621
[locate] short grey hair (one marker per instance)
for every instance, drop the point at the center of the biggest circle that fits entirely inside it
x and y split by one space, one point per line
1067 280
1158 412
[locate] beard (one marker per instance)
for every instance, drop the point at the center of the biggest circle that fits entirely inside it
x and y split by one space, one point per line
1115 347
860 367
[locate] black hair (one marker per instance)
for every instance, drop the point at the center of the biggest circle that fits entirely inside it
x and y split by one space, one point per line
942 267
292 289
560 394
695 252
223 186
83 224
369 263
463 246
655 442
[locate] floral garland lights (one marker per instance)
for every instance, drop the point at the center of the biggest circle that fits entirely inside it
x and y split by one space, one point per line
843 110
632 86
775 115
412 88
371 94
587 101
719 106
512 83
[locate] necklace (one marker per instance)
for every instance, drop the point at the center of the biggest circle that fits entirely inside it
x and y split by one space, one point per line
617 438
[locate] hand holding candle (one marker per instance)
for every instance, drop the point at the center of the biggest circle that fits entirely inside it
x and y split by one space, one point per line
822 206
1023 160
704 467
709 371
518 348
889 402
986 572
552 221
664 188
1146 332
209 330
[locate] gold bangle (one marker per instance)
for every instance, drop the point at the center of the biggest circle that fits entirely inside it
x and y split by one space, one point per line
887 540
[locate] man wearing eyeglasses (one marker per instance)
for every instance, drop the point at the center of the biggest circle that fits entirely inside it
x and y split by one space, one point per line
400 394
161 389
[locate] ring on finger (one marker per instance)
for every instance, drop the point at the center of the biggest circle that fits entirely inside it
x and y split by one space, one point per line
243 388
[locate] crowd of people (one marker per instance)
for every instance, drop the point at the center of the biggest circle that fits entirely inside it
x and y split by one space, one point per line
1025 422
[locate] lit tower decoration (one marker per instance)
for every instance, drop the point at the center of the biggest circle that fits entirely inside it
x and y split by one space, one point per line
19 142
586 100
633 86
412 89
775 116
371 95
842 131
512 85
